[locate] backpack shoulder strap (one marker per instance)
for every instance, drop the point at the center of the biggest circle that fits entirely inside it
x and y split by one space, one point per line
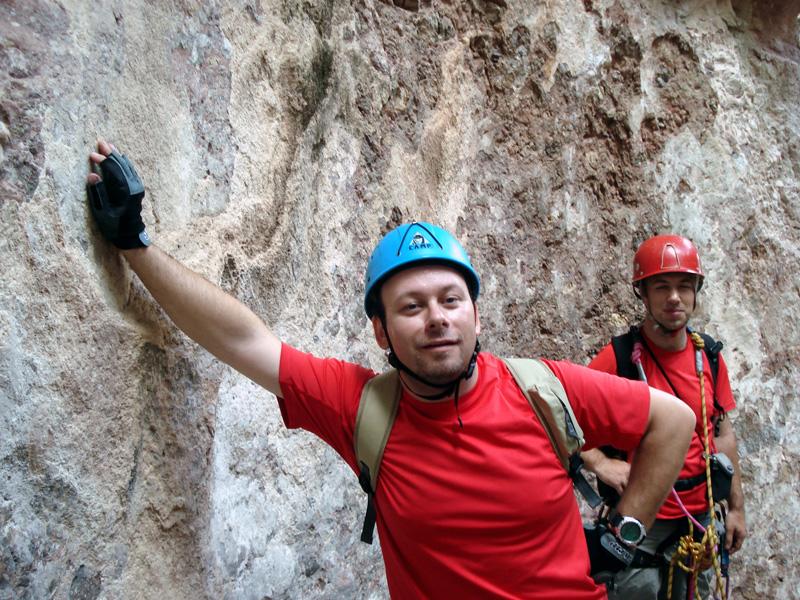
623 348
712 348
549 401
550 404
376 413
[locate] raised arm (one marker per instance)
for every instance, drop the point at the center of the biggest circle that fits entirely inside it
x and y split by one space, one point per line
658 459
214 319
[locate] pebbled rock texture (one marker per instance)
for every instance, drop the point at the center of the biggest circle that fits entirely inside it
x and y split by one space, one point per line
277 142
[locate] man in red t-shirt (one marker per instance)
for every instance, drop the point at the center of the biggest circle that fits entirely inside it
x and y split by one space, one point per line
667 276
472 501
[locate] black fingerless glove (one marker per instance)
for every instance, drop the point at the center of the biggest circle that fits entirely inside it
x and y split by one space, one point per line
607 554
116 203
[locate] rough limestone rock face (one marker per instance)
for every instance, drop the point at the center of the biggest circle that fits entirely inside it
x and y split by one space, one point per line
277 142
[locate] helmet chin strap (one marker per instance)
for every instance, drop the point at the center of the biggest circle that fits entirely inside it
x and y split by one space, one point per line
447 388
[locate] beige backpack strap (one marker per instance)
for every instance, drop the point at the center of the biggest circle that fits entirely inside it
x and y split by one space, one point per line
376 413
549 401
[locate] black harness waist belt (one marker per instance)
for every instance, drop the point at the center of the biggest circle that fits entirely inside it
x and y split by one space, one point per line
643 560
687 484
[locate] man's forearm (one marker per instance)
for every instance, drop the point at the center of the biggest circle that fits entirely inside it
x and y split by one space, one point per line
214 319
658 459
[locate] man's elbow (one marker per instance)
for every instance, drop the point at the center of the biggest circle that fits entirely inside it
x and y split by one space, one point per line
671 416
680 420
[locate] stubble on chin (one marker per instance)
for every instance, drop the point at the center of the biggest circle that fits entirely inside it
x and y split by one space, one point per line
443 371
677 323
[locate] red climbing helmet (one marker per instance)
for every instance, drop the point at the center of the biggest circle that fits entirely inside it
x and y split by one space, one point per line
666 254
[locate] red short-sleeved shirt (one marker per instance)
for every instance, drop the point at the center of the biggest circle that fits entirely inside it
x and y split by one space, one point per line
680 369
485 511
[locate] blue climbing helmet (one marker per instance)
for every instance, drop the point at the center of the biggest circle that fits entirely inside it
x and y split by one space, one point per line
412 244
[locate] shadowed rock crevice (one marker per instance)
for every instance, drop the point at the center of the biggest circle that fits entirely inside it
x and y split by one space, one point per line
86 584
772 20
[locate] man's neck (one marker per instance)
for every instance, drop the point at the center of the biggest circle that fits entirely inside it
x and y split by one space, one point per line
673 341
419 390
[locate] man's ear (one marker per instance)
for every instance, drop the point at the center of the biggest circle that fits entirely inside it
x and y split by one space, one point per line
643 295
477 320
380 333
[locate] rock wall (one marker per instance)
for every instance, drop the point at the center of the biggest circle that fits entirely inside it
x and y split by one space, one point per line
277 141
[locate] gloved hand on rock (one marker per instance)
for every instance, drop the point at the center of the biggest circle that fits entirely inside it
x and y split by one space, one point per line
116 199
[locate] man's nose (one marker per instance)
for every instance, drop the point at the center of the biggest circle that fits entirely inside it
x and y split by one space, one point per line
436 314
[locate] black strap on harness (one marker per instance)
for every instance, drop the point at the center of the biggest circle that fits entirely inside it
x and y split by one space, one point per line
645 560
581 483
371 515
623 348
692 482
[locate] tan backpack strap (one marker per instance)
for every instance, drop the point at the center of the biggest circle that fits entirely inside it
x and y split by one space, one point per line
376 412
549 401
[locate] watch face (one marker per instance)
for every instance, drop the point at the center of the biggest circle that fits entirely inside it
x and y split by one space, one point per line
630 532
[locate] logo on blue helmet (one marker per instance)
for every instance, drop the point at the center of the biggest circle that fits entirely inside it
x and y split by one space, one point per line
418 241
413 244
